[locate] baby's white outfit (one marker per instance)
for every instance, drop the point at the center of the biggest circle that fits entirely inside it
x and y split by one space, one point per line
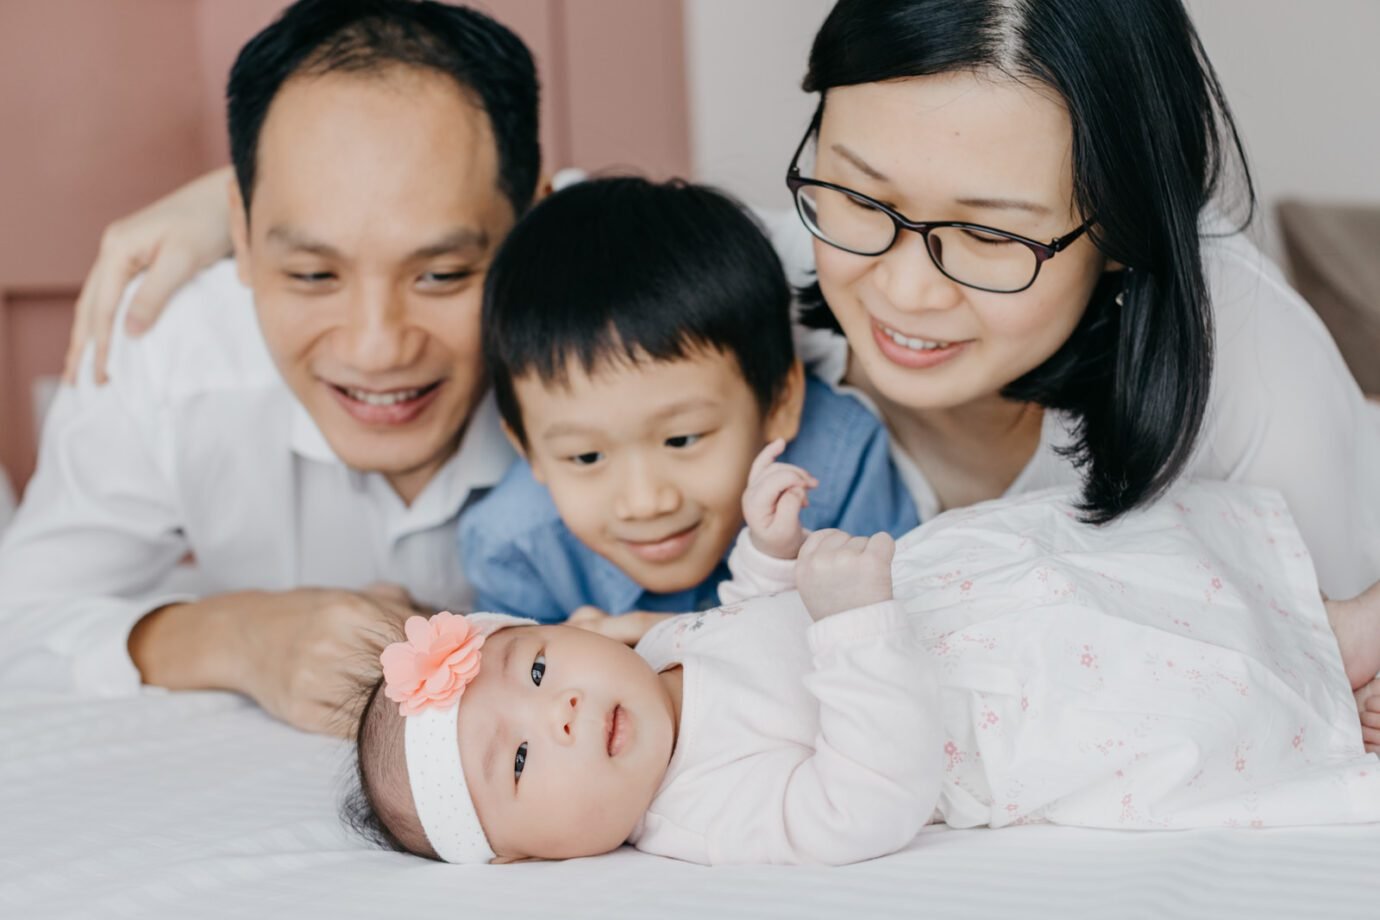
1174 669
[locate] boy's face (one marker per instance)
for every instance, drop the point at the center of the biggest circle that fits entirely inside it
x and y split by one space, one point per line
592 726
647 461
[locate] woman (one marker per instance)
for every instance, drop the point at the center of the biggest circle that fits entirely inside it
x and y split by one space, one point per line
1016 213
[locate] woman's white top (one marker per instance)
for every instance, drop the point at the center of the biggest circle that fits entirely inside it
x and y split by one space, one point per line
1284 411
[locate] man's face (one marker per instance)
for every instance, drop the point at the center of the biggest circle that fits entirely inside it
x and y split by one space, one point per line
374 216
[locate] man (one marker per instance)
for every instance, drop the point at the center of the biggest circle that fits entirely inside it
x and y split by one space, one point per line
308 423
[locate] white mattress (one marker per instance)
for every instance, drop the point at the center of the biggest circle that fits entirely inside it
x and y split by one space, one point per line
199 806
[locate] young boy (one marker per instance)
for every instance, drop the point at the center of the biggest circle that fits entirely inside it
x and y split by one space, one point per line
639 340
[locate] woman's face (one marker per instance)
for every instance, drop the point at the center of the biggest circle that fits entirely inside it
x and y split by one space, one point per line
965 147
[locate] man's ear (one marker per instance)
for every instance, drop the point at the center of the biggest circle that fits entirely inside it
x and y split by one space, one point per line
784 419
239 230
521 449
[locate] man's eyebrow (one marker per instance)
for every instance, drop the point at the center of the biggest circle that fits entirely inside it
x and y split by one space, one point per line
859 162
292 238
460 239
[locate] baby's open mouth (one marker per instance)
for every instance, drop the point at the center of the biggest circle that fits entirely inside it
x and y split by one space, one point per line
617 731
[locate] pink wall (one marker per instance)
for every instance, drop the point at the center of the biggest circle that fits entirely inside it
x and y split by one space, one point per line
106 105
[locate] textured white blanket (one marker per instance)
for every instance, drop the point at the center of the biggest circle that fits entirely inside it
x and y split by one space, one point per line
199 806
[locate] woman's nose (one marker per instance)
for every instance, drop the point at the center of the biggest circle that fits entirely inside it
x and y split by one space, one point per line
909 279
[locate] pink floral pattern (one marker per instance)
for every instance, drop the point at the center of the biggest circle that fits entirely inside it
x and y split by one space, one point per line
1186 677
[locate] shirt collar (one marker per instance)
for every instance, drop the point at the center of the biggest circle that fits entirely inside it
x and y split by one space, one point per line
483 457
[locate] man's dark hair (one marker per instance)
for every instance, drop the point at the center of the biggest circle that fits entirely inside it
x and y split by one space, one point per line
622 269
316 37
1154 143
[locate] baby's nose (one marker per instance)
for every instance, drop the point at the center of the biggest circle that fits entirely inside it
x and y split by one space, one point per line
566 711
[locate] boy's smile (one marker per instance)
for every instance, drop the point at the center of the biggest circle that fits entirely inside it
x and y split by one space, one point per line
646 460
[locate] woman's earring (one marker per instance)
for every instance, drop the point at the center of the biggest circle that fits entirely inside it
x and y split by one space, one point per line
1121 295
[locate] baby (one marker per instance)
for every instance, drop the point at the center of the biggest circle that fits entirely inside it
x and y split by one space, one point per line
1010 665
639 339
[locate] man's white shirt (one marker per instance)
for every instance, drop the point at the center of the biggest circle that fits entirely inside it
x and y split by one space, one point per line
197 447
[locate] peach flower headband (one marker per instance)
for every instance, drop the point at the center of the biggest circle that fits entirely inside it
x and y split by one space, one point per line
426 675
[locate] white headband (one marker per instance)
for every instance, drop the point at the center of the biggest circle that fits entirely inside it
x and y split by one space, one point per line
439 791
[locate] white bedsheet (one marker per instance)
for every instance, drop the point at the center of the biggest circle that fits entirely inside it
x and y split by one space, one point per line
199 806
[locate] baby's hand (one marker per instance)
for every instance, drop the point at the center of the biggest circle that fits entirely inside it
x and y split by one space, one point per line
837 572
771 504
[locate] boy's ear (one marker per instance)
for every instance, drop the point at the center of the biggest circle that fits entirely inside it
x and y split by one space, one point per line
784 419
521 449
239 230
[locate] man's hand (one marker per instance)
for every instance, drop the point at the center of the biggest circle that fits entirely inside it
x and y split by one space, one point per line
772 501
302 655
173 239
838 572
628 628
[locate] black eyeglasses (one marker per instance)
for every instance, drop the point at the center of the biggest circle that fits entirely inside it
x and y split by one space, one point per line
974 256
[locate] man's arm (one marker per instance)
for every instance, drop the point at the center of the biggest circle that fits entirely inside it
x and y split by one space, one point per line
101 526
98 530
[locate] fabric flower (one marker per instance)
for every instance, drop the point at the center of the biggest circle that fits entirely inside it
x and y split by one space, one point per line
435 664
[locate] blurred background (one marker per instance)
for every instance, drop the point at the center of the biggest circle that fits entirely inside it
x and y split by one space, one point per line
107 104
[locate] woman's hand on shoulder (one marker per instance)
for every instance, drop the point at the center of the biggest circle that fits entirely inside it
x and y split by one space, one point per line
171 239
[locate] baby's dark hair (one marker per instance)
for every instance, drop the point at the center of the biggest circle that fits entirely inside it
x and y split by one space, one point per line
623 269
378 806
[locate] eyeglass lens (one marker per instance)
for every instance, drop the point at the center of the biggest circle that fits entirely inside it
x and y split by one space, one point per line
966 255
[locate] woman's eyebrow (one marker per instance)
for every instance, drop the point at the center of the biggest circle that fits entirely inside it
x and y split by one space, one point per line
859 162
1005 204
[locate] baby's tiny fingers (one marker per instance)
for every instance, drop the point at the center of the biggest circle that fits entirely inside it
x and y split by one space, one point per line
765 457
821 539
882 546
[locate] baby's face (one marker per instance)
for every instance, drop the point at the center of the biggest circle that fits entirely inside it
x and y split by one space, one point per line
647 461
564 738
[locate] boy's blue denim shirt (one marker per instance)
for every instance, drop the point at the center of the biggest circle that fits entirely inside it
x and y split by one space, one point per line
522 559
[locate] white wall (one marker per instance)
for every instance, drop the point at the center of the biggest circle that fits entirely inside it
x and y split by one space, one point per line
745 60
1303 77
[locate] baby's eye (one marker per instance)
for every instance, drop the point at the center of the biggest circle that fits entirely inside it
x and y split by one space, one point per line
589 458
684 440
538 669
519 761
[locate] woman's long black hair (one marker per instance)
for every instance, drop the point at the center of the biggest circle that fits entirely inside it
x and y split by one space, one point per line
1153 143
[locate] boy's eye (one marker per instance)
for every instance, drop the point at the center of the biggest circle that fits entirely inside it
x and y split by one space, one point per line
538 669
519 761
684 440
311 277
589 458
